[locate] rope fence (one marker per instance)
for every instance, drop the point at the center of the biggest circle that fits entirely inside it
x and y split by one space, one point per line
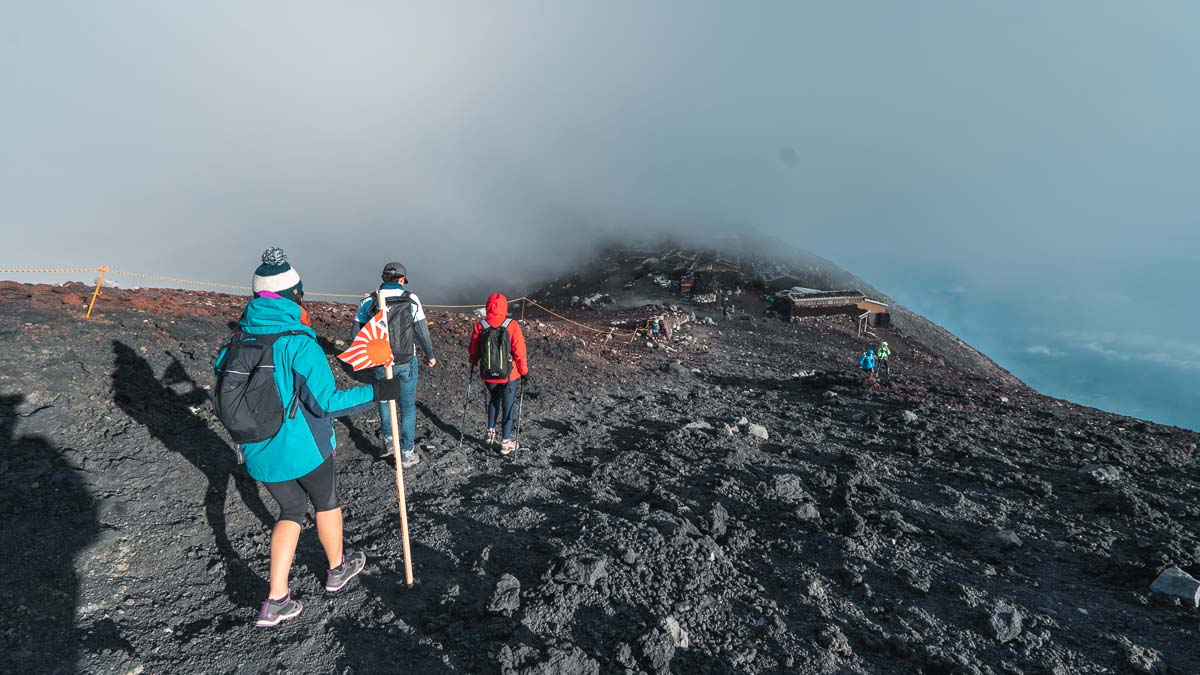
104 269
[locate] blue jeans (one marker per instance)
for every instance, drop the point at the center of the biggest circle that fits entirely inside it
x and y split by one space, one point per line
406 406
501 395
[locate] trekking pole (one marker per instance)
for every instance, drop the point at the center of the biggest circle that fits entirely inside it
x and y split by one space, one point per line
462 427
408 575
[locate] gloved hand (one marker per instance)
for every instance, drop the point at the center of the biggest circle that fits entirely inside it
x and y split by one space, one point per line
387 390
527 380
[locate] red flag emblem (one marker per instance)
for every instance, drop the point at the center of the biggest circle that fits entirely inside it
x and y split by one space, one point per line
371 346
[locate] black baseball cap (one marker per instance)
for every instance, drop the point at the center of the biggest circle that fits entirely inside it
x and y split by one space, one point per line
395 269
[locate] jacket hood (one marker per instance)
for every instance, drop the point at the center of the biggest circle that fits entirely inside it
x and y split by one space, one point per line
266 315
497 309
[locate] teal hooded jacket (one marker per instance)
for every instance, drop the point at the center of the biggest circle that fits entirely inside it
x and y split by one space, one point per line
306 388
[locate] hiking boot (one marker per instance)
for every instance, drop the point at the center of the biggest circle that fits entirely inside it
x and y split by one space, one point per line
490 437
409 458
388 450
353 562
506 447
275 612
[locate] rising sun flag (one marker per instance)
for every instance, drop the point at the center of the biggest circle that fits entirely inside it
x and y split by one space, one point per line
370 347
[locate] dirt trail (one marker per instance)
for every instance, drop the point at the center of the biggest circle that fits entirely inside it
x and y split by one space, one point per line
936 523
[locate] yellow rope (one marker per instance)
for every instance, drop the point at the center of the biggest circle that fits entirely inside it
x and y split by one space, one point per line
560 316
239 287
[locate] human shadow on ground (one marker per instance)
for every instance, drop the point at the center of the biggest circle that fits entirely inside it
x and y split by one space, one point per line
50 518
168 416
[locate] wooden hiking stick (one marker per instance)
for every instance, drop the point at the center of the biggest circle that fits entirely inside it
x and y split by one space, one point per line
408 575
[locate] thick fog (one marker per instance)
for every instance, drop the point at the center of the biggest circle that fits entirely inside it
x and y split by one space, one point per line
1038 155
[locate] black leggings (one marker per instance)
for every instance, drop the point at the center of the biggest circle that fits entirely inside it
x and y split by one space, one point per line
318 486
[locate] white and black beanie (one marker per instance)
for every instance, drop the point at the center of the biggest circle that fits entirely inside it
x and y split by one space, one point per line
275 274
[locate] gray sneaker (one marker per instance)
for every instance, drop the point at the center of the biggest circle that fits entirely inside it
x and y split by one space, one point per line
388 451
353 562
409 458
275 612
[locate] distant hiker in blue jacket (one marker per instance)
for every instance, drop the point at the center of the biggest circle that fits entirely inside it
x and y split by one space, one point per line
867 363
296 463
407 330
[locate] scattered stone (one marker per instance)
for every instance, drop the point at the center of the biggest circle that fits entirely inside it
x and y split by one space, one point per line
658 647
742 421
851 524
757 430
507 597
898 524
1175 583
700 425
718 520
1008 539
729 429
1101 474
909 417
807 512
816 590
677 633
788 488
585 571
832 638
1005 622
1143 659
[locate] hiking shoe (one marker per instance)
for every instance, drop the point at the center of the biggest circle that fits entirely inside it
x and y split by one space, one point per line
353 562
506 447
275 612
491 437
388 451
409 458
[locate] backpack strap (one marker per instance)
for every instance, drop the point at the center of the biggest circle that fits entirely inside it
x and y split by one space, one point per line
505 323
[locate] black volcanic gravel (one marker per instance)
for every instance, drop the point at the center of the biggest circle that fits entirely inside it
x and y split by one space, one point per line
960 537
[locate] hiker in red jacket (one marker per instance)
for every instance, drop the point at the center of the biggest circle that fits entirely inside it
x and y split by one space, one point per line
498 346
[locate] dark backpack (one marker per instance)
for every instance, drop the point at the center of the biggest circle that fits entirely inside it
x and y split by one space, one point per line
401 327
246 399
495 351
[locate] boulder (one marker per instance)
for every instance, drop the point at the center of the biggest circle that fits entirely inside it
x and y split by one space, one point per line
1175 583
909 417
1005 621
507 596
1101 474
757 430
1008 539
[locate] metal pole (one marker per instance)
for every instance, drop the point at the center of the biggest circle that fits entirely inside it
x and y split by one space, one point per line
96 294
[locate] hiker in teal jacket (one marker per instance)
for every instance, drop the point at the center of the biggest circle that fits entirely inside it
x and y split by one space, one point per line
296 464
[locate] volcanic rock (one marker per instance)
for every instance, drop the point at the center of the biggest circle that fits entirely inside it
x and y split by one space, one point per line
1005 621
1174 582
1008 539
507 597
1101 474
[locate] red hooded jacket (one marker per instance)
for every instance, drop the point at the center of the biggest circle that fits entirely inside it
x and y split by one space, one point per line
497 312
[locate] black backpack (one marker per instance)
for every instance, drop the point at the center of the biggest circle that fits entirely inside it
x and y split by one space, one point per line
246 399
401 326
495 351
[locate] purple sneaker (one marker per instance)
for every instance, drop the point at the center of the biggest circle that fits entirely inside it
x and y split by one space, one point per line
275 612
353 562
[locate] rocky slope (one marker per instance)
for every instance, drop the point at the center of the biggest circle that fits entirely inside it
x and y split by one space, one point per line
739 502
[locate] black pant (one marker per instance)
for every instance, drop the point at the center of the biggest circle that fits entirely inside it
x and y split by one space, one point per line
500 405
318 486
